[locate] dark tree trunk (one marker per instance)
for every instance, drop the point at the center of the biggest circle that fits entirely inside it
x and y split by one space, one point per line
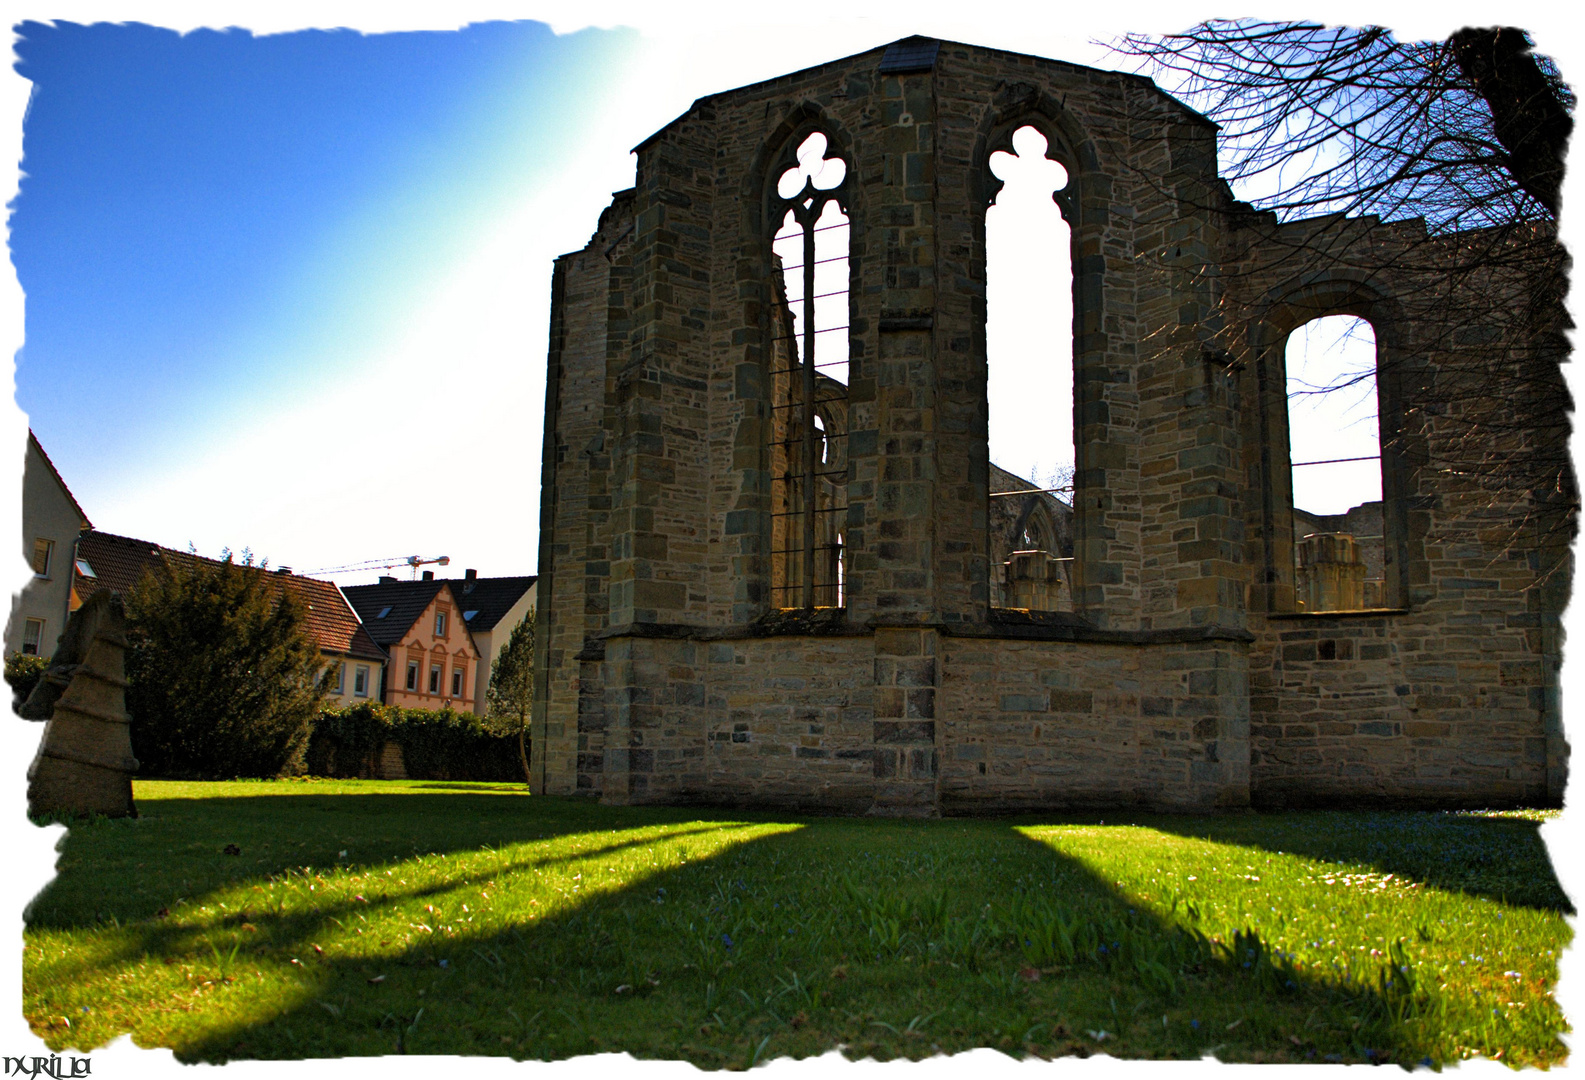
1529 109
522 747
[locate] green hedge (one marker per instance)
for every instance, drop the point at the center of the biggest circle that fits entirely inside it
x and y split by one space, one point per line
443 745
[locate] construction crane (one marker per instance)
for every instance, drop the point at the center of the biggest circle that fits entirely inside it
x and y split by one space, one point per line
415 561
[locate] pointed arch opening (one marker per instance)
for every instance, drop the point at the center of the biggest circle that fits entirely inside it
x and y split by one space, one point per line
809 375
1029 379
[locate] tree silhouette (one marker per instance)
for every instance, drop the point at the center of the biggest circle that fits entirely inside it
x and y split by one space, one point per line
511 692
1451 154
224 677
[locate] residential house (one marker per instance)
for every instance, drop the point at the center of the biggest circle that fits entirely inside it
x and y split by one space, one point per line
491 609
51 522
107 561
433 661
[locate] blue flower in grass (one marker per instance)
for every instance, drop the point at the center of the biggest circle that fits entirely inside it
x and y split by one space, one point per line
726 939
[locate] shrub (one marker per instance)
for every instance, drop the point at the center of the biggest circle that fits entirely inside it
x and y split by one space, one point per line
346 742
23 673
443 745
223 676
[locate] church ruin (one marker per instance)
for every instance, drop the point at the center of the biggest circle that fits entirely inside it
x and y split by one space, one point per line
780 567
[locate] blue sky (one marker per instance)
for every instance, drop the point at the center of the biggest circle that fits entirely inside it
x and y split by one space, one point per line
214 226
290 290
221 195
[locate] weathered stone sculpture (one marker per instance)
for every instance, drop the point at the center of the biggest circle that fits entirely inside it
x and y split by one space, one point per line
85 763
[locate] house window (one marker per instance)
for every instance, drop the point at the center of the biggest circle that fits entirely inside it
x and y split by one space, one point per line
808 375
32 636
1029 386
456 682
341 678
434 678
42 550
1334 457
440 624
360 681
412 674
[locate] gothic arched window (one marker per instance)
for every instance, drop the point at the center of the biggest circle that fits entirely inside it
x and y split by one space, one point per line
809 376
1029 385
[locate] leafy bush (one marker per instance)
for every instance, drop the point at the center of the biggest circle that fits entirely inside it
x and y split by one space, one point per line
443 745
23 673
224 678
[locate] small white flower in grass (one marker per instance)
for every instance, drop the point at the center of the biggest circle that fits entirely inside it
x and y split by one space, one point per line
1512 975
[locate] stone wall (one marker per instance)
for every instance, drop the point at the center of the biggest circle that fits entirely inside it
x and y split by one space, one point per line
1448 695
1178 673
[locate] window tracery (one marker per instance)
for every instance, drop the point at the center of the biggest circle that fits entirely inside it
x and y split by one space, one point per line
809 376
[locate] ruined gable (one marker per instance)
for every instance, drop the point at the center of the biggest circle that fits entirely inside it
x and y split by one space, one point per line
770 581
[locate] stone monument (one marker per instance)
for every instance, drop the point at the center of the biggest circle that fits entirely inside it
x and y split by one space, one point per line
85 763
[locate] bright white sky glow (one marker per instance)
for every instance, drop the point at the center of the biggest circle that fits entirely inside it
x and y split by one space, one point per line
1332 414
1029 317
831 234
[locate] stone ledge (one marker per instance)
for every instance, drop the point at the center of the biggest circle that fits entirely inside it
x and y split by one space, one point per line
1301 616
836 625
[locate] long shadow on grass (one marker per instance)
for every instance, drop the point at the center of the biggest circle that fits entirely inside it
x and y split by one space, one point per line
177 849
1501 858
892 938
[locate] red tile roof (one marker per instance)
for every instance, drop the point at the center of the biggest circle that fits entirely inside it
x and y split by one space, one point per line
118 562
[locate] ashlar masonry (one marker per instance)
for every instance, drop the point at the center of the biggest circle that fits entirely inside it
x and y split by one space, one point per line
779 567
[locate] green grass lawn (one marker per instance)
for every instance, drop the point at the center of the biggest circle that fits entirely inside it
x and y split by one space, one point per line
368 917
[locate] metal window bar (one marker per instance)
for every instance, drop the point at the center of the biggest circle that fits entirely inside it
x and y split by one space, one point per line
797 475
799 513
1032 491
805 266
798 404
795 235
1336 460
822 330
